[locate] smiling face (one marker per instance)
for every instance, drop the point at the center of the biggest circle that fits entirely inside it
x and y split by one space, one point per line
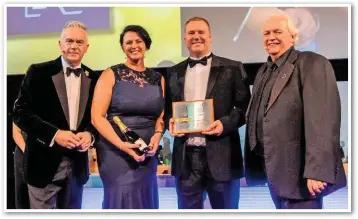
133 46
197 38
73 45
277 38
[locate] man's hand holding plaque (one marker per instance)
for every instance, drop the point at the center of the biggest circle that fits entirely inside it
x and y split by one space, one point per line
192 117
215 128
171 129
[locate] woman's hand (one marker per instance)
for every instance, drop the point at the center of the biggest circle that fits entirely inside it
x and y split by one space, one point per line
128 148
154 143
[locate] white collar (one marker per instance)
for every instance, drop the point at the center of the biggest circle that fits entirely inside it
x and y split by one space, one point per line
200 57
65 65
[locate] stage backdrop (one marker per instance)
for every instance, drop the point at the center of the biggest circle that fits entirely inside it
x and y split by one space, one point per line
33 32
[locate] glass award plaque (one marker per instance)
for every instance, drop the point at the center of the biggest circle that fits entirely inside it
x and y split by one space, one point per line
192 116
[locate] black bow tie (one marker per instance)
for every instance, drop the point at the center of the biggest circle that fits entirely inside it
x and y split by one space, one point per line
203 61
76 71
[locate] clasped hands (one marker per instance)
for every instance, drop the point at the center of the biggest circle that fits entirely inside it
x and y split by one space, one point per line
80 141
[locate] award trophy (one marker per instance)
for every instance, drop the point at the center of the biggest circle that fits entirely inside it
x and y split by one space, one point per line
192 116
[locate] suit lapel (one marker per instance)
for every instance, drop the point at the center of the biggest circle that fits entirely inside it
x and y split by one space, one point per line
215 69
84 93
181 70
282 78
254 89
60 85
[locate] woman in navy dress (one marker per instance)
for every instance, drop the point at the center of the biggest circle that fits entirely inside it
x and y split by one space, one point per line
135 94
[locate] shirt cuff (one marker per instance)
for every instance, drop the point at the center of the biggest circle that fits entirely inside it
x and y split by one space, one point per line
93 139
53 139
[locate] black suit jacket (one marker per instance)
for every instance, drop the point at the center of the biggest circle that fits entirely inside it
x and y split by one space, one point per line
301 129
41 109
227 86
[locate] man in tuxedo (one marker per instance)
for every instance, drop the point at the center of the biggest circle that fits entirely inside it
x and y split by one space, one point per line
210 161
293 122
53 109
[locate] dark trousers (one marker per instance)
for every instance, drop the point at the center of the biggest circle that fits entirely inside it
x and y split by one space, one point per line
285 203
64 192
21 189
191 187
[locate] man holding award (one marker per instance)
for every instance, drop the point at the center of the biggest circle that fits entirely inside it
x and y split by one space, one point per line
207 98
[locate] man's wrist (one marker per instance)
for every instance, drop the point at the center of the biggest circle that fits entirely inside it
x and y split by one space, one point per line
92 138
53 139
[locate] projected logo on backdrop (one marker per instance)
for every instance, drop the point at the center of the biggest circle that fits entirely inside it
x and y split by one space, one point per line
29 11
306 21
37 20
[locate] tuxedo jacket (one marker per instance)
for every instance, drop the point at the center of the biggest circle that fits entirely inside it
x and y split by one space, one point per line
301 129
41 109
231 94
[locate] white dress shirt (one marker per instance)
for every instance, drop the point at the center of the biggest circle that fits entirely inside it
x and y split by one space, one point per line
73 88
196 82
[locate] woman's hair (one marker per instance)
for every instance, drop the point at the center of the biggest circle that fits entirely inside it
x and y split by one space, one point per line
140 31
